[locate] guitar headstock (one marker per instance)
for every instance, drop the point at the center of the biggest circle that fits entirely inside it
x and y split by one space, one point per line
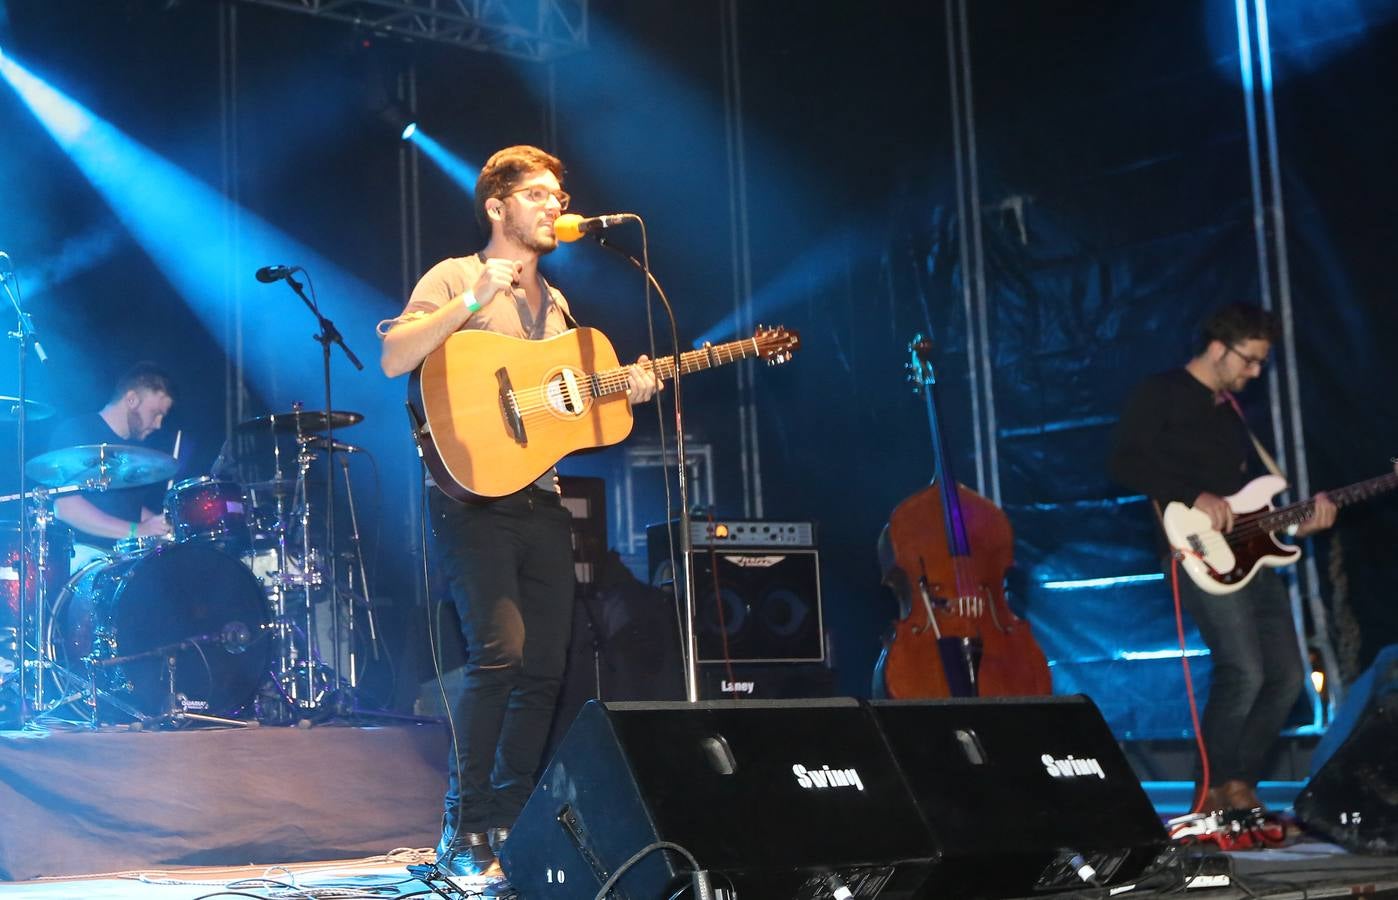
921 372
776 344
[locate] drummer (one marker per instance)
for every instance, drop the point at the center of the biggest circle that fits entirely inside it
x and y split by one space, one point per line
138 407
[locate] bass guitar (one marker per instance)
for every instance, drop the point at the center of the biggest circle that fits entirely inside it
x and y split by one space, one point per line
492 413
1222 563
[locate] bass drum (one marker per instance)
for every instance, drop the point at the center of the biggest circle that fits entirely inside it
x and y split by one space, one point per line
125 621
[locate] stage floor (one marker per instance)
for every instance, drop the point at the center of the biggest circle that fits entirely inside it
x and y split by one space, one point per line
124 814
1306 870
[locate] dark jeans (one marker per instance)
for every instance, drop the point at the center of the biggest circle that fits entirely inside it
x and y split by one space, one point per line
510 569
1257 672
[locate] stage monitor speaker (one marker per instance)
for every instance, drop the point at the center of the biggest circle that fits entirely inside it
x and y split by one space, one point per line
1352 799
773 797
1019 791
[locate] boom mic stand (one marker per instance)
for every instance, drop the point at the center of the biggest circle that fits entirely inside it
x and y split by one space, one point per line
24 335
691 645
328 335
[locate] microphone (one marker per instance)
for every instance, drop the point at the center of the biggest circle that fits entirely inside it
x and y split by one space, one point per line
273 274
321 442
570 227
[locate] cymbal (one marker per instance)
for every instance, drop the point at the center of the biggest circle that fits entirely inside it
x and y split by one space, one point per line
122 465
9 409
305 420
284 487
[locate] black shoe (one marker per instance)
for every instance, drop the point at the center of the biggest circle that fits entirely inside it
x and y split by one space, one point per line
468 854
497 837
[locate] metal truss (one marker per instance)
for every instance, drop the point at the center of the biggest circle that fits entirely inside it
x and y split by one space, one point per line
538 30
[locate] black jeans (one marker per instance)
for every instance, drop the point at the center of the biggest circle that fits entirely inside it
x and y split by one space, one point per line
510 568
1257 672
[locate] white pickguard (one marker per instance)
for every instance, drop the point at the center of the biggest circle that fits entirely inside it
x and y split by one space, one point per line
1206 553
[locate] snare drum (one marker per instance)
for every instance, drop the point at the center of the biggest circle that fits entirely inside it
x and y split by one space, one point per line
207 509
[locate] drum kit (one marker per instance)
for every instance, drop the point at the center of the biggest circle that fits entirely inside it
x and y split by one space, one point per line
217 622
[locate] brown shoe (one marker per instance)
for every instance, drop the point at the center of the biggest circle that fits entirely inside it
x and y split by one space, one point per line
1234 794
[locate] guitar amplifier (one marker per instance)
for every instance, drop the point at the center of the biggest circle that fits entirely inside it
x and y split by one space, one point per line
754 606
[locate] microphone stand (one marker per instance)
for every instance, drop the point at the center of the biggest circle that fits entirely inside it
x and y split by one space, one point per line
686 581
328 335
24 335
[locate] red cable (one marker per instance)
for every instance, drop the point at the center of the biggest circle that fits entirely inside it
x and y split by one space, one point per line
1203 789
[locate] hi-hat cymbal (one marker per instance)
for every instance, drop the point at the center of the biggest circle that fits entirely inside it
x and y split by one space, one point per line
9 409
305 420
120 465
283 487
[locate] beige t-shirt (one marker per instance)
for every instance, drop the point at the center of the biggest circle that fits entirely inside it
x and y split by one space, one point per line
504 314
453 277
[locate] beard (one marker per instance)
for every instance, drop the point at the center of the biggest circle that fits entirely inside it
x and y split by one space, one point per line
529 238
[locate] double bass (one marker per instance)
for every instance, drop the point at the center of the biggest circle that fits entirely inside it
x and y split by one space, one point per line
945 554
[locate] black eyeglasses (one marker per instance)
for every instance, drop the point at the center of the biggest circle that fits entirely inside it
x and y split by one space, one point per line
1259 361
540 194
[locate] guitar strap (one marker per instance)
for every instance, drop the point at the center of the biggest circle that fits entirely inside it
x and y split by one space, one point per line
1262 453
1267 460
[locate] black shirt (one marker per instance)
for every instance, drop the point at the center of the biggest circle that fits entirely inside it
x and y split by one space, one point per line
124 503
1175 441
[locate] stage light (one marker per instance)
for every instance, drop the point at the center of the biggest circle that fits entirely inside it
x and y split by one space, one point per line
181 224
409 130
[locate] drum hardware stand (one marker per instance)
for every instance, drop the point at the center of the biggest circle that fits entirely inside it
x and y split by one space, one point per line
295 677
24 337
35 505
369 616
86 690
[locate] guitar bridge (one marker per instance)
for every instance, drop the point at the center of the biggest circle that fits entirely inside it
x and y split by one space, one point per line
509 408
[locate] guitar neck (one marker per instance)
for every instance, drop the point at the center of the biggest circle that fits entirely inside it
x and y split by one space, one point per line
1299 512
613 381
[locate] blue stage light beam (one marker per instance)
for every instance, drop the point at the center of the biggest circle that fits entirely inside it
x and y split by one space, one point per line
805 278
181 223
457 169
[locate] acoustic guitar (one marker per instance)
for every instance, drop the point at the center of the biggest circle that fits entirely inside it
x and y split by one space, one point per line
492 413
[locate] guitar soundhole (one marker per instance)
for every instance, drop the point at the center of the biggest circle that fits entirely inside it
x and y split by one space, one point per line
564 394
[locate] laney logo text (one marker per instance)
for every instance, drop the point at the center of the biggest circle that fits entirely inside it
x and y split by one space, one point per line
826 777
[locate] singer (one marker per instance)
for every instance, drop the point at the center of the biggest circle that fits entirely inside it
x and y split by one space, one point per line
508 562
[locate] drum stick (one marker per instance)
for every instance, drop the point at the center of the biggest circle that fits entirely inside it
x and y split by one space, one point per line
176 454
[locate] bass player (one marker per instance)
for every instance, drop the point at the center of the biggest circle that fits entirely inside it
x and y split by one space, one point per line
1182 438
